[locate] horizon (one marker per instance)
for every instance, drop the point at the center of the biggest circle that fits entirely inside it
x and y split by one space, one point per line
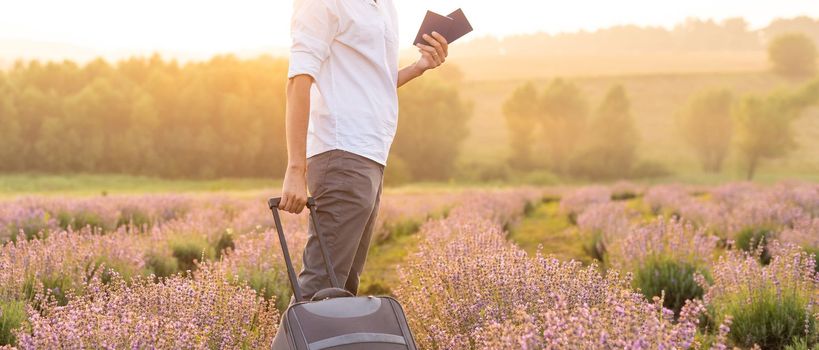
253 27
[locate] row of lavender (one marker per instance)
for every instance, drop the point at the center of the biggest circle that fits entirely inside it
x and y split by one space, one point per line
747 251
153 271
466 286
469 288
670 278
32 217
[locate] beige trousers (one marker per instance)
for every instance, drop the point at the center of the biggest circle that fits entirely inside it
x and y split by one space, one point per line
347 188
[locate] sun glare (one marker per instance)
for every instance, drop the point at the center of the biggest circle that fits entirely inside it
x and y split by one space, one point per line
209 27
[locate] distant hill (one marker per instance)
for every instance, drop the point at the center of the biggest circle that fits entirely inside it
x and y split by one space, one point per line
693 35
694 46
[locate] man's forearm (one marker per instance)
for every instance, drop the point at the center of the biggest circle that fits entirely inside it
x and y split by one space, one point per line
297 115
408 73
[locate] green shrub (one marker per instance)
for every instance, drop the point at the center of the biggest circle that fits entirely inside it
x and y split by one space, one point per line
623 196
572 218
549 199
161 265
12 315
58 286
102 266
595 246
135 217
270 284
674 277
400 228
378 287
80 220
224 243
772 320
27 235
32 228
753 239
528 209
188 250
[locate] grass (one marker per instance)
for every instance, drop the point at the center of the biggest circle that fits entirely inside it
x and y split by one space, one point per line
12 185
381 272
189 249
752 239
672 277
12 315
771 320
546 228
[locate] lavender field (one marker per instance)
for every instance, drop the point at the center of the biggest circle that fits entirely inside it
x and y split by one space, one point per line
660 267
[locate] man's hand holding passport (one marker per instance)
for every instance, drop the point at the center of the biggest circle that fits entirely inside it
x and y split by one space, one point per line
451 27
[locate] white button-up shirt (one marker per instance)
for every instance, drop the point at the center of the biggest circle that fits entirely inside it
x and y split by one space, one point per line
350 48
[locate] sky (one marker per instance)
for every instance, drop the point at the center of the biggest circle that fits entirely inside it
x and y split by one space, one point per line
211 27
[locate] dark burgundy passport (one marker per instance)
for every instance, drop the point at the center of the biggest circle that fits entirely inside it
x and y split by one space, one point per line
452 27
460 26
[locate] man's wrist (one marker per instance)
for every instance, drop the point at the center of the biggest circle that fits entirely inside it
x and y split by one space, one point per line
417 71
297 165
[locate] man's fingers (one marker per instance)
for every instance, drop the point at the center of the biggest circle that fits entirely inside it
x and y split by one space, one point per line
442 41
283 202
437 45
301 204
433 54
291 204
294 207
427 48
429 56
296 204
432 41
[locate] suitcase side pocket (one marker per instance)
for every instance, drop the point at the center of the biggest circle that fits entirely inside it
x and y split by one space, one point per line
402 322
295 335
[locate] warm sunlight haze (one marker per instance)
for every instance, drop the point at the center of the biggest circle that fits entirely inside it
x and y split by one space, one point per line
198 29
580 174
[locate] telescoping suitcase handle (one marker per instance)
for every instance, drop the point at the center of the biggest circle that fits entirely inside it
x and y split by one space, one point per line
273 203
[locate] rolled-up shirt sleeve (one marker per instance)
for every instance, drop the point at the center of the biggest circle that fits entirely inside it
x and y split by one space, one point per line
312 29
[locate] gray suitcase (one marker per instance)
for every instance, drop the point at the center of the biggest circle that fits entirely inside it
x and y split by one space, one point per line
334 318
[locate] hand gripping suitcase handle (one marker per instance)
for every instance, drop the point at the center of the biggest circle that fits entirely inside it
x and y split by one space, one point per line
273 204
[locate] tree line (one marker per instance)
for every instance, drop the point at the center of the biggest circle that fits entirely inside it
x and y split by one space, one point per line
759 127
556 129
219 118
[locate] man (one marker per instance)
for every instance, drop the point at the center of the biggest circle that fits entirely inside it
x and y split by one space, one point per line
341 116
